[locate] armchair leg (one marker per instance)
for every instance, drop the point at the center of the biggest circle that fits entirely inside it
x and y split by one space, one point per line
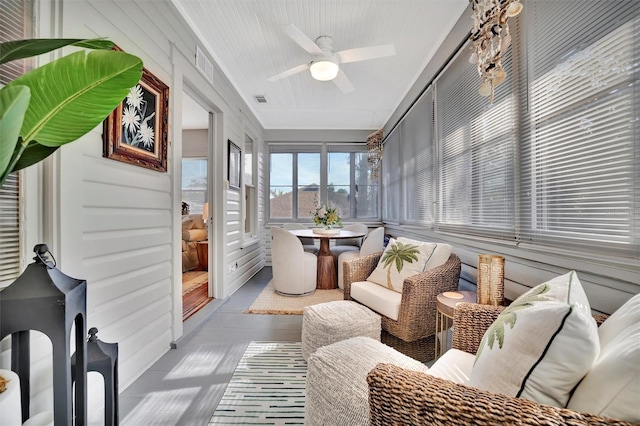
422 350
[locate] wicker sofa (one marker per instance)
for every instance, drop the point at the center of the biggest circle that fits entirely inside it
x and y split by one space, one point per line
400 396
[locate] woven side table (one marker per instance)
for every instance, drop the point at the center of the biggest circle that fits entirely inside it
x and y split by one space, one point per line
331 322
445 305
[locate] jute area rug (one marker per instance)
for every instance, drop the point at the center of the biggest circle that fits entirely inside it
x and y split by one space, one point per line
267 387
269 302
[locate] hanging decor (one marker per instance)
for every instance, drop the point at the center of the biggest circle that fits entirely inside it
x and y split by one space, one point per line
374 149
491 39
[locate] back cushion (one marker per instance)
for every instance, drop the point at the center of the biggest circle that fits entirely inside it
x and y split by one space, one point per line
612 386
541 346
404 258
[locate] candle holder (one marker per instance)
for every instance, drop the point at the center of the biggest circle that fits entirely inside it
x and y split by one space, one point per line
490 279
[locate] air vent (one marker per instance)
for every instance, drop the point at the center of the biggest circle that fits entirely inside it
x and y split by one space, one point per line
261 99
204 65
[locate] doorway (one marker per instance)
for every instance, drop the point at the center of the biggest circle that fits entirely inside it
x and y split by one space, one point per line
196 264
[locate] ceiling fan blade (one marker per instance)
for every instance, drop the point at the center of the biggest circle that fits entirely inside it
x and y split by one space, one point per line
365 53
302 39
288 73
343 82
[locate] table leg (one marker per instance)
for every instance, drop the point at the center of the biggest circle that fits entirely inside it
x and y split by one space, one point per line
327 278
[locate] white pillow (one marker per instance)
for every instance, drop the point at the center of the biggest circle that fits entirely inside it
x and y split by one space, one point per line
612 386
440 254
418 257
541 346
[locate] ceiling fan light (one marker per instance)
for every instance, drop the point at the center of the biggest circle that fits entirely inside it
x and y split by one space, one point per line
324 69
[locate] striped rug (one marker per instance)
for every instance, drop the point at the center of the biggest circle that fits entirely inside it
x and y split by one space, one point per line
267 387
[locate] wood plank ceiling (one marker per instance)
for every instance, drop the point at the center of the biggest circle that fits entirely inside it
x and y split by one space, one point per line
247 40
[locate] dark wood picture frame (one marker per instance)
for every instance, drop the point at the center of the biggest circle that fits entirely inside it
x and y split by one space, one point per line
137 131
234 166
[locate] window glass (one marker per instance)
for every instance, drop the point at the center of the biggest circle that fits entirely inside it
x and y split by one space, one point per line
194 183
339 182
308 193
281 185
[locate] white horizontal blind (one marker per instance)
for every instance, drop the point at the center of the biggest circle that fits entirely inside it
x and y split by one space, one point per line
418 159
9 230
580 159
476 143
14 21
391 178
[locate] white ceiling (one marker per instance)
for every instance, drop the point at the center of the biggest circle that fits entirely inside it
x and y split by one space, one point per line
247 40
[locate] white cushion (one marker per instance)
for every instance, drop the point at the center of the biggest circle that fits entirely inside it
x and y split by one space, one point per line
382 300
541 346
612 386
440 254
419 258
455 365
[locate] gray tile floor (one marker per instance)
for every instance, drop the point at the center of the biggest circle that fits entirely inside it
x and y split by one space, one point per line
185 385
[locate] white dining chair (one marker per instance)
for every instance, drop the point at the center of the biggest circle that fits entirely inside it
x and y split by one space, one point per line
308 243
294 270
373 243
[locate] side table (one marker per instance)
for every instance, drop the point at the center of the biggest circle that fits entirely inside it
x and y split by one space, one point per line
445 305
202 249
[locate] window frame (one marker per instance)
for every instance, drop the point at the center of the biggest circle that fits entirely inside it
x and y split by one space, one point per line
322 148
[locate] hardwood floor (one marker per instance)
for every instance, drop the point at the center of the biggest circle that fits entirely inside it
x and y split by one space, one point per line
194 298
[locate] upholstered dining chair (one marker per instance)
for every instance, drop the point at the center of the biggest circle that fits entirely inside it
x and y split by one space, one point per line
408 318
307 243
373 243
349 244
294 270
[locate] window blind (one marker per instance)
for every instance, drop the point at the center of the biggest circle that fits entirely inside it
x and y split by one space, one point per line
391 178
417 152
476 143
14 19
580 157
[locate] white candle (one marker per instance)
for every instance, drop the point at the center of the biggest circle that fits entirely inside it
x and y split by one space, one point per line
10 400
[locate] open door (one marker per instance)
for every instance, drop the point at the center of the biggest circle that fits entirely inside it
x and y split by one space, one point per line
196 209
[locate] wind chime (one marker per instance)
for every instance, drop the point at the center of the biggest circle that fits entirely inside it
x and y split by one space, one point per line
491 39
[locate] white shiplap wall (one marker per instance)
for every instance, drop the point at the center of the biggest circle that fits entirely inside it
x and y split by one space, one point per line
117 225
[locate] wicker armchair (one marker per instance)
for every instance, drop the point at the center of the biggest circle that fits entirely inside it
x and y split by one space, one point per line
398 396
414 332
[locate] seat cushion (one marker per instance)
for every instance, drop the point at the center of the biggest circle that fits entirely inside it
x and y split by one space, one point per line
612 386
541 346
455 365
382 300
404 258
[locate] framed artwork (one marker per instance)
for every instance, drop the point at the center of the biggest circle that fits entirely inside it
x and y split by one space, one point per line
234 166
136 131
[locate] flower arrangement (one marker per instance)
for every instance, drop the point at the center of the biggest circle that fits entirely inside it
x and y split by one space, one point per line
326 216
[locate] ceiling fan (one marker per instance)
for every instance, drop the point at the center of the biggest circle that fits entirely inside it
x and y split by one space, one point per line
325 64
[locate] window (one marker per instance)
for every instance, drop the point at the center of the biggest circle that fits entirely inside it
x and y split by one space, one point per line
554 162
18 12
476 152
296 182
194 183
250 194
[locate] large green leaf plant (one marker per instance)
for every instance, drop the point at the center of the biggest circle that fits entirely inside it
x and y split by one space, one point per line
61 101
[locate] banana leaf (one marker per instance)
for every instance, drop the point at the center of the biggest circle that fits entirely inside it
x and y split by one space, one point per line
20 49
14 102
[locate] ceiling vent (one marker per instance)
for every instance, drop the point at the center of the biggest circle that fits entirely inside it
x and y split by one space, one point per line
204 65
261 99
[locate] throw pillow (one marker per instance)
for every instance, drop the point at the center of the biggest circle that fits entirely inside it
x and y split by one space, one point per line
440 254
612 386
541 346
401 260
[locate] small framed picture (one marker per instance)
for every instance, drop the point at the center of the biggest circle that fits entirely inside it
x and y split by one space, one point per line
234 166
136 131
